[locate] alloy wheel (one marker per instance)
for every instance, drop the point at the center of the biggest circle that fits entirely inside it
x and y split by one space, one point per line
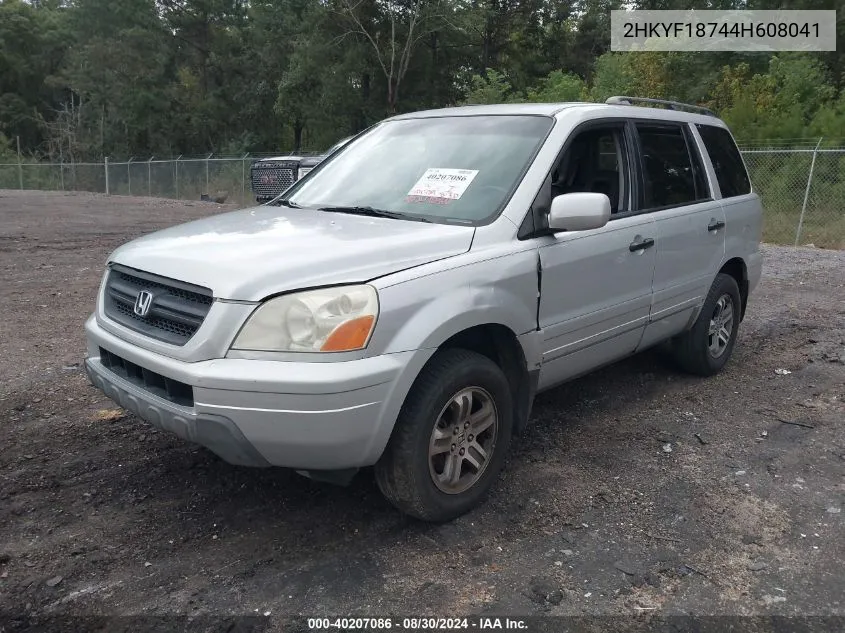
463 440
721 326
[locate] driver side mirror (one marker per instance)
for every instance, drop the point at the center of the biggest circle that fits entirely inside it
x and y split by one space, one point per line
579 211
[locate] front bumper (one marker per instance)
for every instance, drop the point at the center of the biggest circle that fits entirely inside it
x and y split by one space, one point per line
304 415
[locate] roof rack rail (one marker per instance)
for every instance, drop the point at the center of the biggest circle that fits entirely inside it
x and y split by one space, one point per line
671 105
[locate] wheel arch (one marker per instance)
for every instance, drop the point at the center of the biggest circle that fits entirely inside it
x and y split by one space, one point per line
736 268
500 344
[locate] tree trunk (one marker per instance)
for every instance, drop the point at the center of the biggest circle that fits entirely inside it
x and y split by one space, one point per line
486 45
487 53
432 79
392 95
206 37
103 129
365 102
297 135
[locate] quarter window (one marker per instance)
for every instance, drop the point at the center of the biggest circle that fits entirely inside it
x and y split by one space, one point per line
672 173
727 162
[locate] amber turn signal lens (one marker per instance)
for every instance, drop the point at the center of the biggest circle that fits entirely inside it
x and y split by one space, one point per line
350 335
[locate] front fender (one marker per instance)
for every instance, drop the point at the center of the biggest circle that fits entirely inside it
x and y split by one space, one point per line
421 311
425 311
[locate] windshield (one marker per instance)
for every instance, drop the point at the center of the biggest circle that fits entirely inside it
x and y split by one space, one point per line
459 169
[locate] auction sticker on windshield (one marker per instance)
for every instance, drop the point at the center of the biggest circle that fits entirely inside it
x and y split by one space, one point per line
439 185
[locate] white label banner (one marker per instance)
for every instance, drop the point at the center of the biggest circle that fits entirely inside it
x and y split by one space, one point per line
692 30
440 183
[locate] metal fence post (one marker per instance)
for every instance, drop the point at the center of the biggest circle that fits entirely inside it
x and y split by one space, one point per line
20 165
149 177
106 163
129 176
206 171
807 193
243 178
177 175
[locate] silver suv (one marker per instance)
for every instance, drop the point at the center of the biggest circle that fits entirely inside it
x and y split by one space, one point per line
401 305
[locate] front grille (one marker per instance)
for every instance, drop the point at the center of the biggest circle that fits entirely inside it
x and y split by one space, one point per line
271 179
161 386
176 310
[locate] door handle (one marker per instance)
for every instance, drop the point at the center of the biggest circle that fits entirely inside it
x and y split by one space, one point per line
715 225
641 245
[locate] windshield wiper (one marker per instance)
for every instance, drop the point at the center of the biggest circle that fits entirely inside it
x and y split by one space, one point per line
375 213
286 203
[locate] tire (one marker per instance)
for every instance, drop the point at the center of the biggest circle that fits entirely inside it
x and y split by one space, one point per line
701 351
406 473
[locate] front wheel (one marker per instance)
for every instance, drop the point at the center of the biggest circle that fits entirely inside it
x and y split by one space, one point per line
707 346
450 439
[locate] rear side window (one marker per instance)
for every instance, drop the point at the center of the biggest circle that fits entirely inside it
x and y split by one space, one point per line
727 163
672 172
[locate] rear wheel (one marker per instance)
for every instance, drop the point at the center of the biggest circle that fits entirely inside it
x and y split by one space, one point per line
706 348
450 439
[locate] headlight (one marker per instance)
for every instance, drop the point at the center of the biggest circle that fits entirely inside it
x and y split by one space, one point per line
302 171
328 320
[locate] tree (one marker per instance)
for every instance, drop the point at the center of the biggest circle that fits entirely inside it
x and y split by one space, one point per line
793 99
33 42
80 79
490 88
393 29
558 87
117 76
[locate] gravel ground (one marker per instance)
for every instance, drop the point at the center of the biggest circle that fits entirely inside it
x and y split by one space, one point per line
101 514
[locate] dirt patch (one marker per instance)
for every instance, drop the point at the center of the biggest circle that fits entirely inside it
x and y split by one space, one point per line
591 516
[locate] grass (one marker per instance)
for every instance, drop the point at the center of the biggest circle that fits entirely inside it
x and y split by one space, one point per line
825 230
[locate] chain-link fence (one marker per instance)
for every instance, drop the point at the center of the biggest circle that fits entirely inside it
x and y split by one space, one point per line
220 178
803 189
803 192
183 179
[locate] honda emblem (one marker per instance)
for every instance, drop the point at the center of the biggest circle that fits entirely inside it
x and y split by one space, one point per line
143 303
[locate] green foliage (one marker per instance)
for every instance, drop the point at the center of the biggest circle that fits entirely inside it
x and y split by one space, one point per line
493 87
32 43
829 120
7 153
83 79
794 99
558 87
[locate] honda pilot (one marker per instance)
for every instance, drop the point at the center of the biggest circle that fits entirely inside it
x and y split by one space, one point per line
400 306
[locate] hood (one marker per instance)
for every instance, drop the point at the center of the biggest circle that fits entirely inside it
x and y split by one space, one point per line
250 254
